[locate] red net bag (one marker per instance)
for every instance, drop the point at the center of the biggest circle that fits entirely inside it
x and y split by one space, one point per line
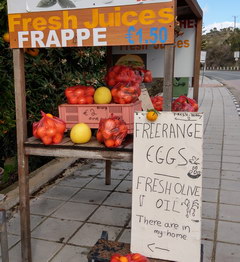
122 74
125 93
112 131
157 102
134 257
184 103
50 129
80 94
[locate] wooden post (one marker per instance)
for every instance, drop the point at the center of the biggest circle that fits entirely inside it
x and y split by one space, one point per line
21 120
168 77
4 236
108 164
197 54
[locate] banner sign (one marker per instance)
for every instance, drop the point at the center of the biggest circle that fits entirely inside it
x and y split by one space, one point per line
26 6
119 25
184 52
167 186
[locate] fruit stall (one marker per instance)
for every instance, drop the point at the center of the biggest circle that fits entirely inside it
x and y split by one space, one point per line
86 23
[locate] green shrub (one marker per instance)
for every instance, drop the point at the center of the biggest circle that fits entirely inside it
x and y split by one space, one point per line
47 76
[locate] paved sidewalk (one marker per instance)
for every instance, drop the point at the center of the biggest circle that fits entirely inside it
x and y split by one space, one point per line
68 217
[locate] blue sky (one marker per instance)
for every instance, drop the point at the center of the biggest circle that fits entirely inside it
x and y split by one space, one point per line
220 13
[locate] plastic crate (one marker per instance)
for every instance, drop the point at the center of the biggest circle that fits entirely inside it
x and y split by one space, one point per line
92 113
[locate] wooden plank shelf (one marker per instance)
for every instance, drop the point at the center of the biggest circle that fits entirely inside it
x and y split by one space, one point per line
93 149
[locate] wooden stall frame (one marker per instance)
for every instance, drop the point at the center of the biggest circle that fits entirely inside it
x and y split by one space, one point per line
21 119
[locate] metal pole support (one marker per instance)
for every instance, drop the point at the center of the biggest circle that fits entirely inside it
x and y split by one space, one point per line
3 236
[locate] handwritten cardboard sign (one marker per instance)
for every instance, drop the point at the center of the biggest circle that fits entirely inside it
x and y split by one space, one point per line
167 186
101 26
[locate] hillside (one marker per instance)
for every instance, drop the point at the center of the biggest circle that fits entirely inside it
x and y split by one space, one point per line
220 46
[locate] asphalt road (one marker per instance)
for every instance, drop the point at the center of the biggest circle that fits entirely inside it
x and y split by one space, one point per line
231 79
223 75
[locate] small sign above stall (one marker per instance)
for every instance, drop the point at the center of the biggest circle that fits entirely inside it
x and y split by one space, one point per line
132 24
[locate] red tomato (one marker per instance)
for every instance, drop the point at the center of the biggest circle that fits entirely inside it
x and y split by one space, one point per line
49 122
109 124
118 142
90 90
111 82
99 137
114 92
109 143
116 68
89 99
127 99
123 128
41 131
82 100
79 92
121 101
51 131
72 100
60 126
57 138
106 134
46 140
69 91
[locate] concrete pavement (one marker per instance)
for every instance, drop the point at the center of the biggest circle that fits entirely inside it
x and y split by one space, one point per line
68 216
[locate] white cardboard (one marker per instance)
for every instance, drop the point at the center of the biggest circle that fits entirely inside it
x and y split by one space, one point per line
145 99
24 6
167 186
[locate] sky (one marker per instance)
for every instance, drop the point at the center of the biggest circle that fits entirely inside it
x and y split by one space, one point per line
220 13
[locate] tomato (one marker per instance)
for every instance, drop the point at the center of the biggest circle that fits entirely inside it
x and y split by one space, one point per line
60 126
49 122
109 124
41 131
79 92
82 100
123 259
123 128
69 91
152 115
46 140
118 142
89 99
111 82
90 90
72 100
57 138
128 99
114 92
99 137
51 131
116 68
109 143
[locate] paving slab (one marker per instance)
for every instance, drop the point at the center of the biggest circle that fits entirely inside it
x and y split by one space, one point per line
75 211
230 197
114 216
41 251
227 252
71 254
57 230
229 212
228 232
90 233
